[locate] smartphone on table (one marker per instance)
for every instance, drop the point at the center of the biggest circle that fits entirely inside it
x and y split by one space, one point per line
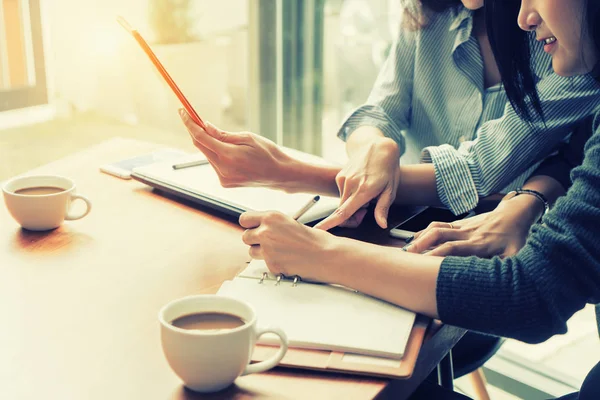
420 221
123 168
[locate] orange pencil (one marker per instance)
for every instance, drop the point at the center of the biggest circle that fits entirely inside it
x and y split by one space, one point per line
186 104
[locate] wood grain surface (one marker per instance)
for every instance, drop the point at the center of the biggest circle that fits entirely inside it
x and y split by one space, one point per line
79 304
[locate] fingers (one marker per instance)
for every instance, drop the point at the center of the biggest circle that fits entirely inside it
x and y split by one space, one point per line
382 207
437 224
327 223
251 219
340 181
251 236
201 137
255 252
215 132
386 199
210 155
460 248
237 138
434 237
343 212
355 220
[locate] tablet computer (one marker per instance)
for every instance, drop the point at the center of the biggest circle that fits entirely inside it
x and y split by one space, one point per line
163 72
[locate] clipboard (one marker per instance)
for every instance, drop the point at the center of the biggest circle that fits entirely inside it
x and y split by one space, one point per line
339 362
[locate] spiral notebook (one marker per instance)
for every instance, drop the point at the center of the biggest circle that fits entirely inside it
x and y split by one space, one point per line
322 317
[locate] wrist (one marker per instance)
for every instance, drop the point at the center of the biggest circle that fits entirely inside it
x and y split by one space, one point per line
387 145
363 136
299 176
338 255
546 185
532 204
284 175
293 174
376 144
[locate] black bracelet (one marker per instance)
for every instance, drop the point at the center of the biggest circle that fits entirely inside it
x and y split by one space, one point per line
531 192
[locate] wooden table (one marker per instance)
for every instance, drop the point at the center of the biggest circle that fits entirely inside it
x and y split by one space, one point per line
79 304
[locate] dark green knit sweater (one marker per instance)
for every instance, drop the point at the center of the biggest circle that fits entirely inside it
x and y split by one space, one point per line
531 295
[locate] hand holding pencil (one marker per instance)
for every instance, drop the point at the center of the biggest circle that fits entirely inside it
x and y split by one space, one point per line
288 247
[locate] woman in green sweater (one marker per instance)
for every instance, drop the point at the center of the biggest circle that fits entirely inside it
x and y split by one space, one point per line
529 296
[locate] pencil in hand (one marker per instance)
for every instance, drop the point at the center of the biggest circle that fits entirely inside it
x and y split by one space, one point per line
306 207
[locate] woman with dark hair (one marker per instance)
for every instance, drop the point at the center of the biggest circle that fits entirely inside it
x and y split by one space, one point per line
528 296
439 91
438 96
490 234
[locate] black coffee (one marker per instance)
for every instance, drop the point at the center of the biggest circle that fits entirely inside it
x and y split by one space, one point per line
208 321
39 190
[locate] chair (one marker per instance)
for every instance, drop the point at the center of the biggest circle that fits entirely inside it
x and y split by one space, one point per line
469 355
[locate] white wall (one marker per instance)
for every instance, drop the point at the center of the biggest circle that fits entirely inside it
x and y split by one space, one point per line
94 65
216 17
83 40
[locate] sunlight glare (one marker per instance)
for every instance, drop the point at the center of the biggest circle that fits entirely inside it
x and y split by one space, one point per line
106 41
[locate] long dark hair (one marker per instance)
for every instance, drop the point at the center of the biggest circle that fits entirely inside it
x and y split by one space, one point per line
511 47
418 12
440 5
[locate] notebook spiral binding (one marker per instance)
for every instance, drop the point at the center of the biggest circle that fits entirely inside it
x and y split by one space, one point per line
280 277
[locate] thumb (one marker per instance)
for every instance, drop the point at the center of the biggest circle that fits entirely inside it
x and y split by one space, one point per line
214 131
382 208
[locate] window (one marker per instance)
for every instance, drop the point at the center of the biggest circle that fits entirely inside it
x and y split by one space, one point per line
101 85
357 38
22 72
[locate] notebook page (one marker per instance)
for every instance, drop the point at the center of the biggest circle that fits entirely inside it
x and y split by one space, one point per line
256 269
203 180
325 317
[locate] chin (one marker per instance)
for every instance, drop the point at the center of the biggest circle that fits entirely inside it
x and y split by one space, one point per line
569 70
472 4
558 70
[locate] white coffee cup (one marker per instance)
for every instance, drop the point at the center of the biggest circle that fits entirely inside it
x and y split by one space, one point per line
210 360
40 212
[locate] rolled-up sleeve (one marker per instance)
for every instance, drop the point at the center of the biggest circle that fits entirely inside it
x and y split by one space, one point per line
507 146
388 107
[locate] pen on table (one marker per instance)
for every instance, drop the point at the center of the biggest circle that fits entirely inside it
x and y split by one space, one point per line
307 207
190 164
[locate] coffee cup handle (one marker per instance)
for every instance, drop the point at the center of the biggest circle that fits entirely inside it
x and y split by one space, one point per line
71 217
273 361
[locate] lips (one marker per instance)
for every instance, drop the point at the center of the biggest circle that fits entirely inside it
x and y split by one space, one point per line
549 44
548 40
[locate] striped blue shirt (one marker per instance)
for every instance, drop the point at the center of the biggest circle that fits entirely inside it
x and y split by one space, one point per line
430 98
